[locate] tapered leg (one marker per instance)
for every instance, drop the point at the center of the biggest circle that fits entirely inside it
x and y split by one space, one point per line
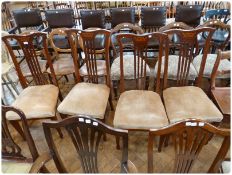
18 128
117 142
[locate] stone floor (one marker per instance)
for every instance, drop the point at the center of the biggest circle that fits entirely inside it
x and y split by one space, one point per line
109 157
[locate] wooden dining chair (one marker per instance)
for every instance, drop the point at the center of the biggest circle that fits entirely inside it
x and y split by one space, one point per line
85 135
184 101
189 138
139 108
39 100
221 95
62 60
115 66
12 151
220 40
89 97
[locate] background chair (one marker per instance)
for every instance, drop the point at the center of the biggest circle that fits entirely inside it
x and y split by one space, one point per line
189 137
43 96
92 18
86 133
222 15
152 18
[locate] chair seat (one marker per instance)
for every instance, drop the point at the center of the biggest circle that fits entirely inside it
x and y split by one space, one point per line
138 109
63 66
86 98
101 68
128 67
211 58
189 102
173 68
36 102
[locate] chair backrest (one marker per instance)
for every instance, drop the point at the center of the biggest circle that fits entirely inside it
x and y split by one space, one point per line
189 14
122 15
60 18
85 133
215 72
27 18
187 44
142 61
33 46
10 149
220 14
189 137
92 18
89 41
221 36
152 18
175 25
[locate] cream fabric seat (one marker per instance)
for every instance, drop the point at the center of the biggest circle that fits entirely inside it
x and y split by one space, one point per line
189 102
173 68
211 58
36 102
86 98
140 109
128 68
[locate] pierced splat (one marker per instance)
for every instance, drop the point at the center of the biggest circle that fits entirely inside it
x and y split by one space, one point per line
189 137
86 134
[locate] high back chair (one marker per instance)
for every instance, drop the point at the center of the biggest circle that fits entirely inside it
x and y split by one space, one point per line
189 138
183 11
122 15
62 61
152 18
11 151
184 101
220 40
221 95
135 108
43 95
91 97
85 134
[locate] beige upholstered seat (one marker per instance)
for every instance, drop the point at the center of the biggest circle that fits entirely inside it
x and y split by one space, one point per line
63 66
128 67
138 109
211 58
101 68
173 68
189 102
36 102
86 98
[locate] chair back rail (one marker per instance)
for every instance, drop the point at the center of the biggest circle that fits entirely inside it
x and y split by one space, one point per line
189 137
85 133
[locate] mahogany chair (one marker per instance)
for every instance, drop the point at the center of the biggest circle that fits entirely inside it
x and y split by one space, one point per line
189 137
91 97
62 61
39 100
220 40
221 95
128 64
184 101
11 151
142 109
152 18
85 134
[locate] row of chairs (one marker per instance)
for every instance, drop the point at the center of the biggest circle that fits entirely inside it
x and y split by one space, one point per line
189 138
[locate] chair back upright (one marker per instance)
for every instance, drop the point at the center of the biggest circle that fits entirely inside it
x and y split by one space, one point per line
85 133
34 47
10 149
187 45
144 59
90 48
189 137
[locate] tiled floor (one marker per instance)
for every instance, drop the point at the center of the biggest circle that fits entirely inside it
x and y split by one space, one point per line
109 157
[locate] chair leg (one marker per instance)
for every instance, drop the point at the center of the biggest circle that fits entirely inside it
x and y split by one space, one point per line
111 102
115 87
117 142
161 142
18 128
59 129
66 77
